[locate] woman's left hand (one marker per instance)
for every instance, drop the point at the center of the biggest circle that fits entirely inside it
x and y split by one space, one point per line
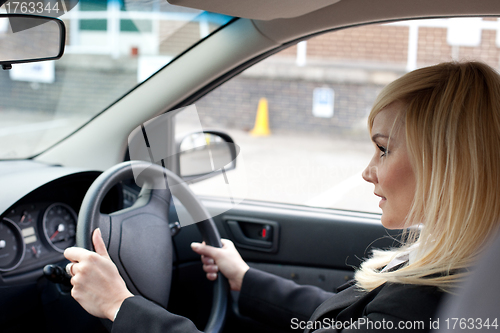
97 285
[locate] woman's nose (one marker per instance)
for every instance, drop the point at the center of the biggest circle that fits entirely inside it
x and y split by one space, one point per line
370 174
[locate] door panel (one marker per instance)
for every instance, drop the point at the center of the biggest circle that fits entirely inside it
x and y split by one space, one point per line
312 237
315 246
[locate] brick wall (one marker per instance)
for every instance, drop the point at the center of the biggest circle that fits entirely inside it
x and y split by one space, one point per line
234 105
83 91
379 44
388 44
433 48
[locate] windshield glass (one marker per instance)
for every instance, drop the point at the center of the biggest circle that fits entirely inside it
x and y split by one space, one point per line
111 47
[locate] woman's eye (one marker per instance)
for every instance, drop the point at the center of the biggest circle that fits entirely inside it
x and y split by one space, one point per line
383 150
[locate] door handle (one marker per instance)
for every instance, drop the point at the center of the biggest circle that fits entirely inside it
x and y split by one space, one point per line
254 234
241 238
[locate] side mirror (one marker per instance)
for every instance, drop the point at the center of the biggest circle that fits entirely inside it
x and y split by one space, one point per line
202 155
34 38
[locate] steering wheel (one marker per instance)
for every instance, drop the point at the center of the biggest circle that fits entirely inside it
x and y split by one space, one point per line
139 239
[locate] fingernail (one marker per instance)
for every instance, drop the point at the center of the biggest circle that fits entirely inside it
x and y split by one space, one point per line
194 245
211 261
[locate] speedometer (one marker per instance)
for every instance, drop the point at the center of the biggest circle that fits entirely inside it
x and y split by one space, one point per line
11 245
59 226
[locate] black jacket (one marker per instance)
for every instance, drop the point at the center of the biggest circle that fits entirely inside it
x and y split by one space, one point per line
282 303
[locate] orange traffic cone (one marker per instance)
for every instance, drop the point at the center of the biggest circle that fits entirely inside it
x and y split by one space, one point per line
261 127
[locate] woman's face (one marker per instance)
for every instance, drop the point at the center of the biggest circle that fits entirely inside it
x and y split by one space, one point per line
390 170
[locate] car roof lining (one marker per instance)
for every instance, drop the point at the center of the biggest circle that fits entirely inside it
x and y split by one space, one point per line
257 9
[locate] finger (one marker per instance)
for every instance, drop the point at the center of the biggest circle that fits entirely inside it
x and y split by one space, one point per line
69 270
206 250
212 276
75 269
211 268
226 242
75 254
207 260
99 246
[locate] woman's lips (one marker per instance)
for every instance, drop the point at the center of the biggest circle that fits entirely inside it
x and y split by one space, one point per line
382 200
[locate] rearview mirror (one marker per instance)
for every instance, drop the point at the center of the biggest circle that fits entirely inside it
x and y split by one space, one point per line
43 38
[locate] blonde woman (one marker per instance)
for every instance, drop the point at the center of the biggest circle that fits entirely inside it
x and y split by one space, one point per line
436 169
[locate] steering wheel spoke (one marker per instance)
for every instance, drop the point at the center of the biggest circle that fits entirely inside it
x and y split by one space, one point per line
104 223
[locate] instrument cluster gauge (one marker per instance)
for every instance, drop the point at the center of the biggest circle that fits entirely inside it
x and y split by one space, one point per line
59 226
11 245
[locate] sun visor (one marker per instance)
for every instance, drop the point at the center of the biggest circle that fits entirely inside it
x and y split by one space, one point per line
257 9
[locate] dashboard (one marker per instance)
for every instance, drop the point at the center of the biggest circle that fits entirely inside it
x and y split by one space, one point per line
36 228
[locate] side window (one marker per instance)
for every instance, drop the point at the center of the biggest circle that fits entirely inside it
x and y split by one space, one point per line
300 116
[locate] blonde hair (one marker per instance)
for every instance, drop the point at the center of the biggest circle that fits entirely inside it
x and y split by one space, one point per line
451 115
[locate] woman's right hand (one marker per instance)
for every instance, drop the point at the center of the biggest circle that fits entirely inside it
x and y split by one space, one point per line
227 260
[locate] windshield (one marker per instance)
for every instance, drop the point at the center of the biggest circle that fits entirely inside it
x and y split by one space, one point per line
111 47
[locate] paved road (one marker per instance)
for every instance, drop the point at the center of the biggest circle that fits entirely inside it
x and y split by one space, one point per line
298 169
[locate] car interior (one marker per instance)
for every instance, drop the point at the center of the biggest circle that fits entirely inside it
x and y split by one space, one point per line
257 109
